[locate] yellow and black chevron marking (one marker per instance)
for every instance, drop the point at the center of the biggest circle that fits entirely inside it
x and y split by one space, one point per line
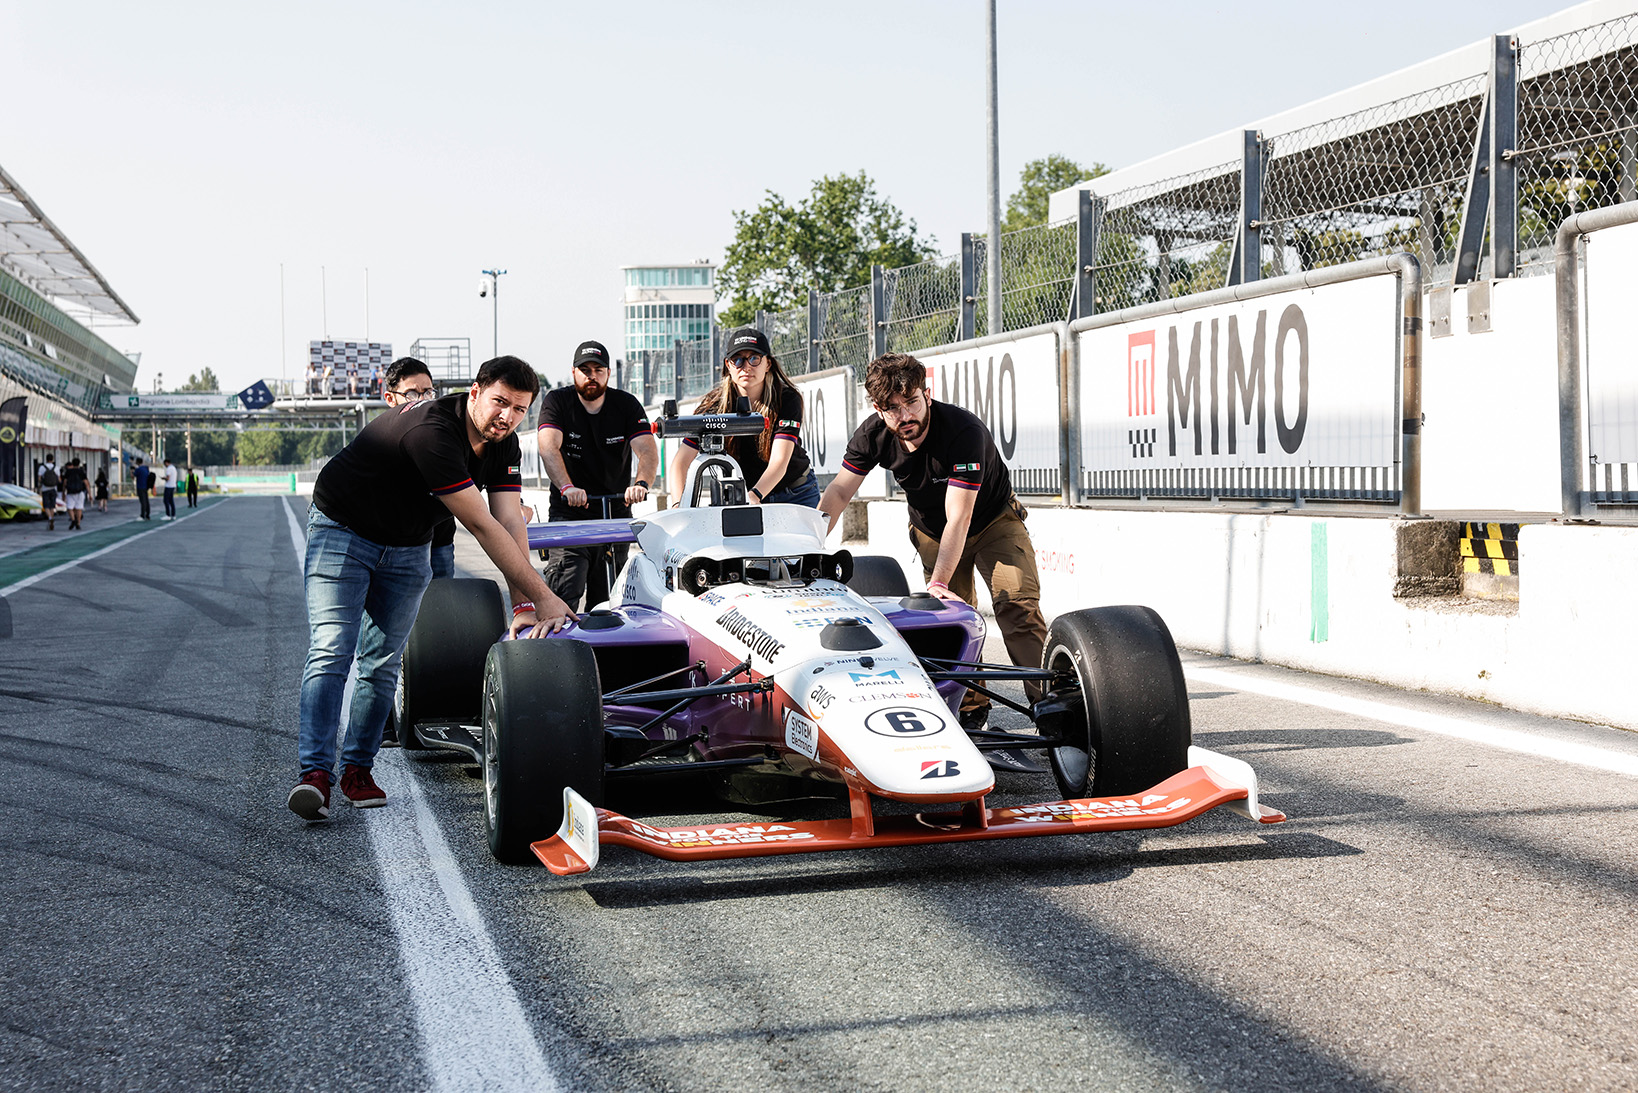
1490 548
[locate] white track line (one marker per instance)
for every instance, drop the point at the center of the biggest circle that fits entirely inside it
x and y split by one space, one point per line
474 1033
1478 731
72 562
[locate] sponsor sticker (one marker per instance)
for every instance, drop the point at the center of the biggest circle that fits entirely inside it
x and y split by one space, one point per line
876 679
900 722
756 639
801 734
939 768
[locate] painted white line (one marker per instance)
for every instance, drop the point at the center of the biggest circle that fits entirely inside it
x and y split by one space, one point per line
72 562
1476 730
474 1032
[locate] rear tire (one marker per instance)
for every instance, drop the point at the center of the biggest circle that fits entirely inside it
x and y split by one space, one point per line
1134 731
878 575
441 678
542 731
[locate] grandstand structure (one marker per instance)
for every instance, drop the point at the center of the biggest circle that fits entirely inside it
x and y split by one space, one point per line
50 357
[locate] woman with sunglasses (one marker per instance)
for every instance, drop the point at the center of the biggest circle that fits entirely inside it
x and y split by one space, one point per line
777 470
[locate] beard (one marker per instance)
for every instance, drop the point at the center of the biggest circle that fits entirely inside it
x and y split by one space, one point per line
910 431
590 390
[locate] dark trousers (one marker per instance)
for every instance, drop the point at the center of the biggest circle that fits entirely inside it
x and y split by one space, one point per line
142 497
193 497
170 502
575 571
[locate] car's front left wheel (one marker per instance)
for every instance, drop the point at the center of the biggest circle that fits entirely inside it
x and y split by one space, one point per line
542 731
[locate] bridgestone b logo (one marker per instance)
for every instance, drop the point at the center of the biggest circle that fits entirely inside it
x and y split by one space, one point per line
758 640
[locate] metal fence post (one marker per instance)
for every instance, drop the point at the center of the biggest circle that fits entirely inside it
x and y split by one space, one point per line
1089 221
1246 256
1504 124
762 320
878 312
716 344
969 291
677 369
813 330
619 373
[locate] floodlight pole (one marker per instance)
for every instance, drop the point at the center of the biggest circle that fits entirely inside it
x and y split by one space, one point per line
992 247
494 276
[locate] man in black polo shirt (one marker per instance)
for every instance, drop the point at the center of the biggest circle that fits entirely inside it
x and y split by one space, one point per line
962 509
374 507
588 435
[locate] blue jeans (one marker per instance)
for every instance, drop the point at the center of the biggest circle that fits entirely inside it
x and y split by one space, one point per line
804 491
443 560
170 502
362 599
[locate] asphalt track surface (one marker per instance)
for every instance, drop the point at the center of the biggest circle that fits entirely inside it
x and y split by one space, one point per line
1439 913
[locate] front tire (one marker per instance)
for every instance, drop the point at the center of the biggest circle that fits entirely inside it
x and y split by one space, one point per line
542 731
441 678
1133 731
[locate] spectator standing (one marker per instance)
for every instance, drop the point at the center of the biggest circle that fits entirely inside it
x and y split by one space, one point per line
168 483
777 469
144 478
312 379
74 489
588 434
374 507
193 488
48 482
962 509
102 489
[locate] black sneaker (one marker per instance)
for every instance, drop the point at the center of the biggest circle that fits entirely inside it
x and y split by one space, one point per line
978 717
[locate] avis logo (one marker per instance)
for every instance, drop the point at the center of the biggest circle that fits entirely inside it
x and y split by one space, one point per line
940 768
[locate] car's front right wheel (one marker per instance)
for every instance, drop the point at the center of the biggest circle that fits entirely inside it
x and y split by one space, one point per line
542 732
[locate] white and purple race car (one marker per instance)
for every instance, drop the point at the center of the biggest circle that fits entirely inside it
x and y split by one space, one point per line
736 644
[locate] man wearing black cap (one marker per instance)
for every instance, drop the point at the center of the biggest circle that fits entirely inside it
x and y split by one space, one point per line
587 438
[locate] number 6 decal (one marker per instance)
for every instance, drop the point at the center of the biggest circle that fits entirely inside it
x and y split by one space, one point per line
902 721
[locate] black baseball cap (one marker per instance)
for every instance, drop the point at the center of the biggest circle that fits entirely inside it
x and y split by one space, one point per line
591 351
746 337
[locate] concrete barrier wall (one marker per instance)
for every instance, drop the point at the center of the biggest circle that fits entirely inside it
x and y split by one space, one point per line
1258 587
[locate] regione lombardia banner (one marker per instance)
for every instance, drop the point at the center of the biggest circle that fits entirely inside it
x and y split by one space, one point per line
1303 378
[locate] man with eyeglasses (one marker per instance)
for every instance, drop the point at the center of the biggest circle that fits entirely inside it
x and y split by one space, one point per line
407 382
962 510
588 434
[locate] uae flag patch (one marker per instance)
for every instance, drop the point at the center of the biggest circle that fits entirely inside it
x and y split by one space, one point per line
966 466
514 470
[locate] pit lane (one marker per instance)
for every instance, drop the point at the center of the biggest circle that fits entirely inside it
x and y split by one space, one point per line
1438 912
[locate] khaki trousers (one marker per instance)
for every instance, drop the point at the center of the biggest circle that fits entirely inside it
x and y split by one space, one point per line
1005 558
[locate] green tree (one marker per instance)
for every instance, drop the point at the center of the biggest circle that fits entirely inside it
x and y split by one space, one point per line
266 446
827 241
1039 180
202 381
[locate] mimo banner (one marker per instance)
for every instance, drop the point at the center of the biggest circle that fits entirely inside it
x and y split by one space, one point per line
1013 388
1301 379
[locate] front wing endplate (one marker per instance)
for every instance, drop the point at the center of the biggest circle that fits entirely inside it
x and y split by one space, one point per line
1179 798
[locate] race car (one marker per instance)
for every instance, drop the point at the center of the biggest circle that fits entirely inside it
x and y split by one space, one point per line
736 644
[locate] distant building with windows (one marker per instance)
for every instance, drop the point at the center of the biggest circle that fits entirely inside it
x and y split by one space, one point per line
667 304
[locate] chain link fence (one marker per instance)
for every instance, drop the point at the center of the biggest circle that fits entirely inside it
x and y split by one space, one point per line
1386 179
1577 130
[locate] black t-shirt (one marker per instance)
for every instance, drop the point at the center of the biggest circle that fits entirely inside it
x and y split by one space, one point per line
386 484
596 447
957 450
787 425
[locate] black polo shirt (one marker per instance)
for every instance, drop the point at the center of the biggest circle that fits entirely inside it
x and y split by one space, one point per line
956 451
596 447
746 450
386 484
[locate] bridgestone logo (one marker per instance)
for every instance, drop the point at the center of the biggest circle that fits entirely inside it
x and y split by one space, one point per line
758 640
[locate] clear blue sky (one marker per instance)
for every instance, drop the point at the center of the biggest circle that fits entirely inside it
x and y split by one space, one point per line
189 149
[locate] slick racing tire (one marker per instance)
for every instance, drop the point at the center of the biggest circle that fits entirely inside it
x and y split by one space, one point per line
878 575
542 731
441 678
1132 729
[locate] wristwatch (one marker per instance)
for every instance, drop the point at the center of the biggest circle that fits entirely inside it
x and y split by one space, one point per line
758 493
642 483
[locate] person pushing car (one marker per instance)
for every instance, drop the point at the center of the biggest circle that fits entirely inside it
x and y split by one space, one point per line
367 564
963 513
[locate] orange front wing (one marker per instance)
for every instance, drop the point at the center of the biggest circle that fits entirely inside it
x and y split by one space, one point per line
1181 797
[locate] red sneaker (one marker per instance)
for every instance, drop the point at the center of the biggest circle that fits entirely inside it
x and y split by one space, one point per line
360 789
311 798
